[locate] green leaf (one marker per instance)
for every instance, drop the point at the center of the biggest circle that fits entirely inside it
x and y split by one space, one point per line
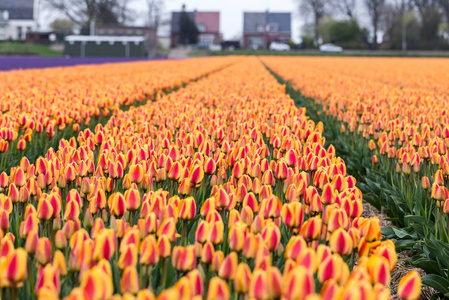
439 283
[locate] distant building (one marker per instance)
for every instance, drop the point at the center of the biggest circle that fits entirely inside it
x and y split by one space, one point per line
40 37
262 28
17 17
104 46
208 24
148 33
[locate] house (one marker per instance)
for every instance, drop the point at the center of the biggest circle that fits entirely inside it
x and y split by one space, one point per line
208 24
262 28
17 17
148 33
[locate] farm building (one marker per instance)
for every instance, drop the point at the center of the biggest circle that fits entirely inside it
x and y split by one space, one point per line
104 46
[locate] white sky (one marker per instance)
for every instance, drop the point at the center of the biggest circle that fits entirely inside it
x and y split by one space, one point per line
231 13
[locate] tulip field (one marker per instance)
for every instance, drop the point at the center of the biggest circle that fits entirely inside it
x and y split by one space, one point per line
221 178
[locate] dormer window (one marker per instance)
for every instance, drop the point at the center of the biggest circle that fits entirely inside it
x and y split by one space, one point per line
4 15
260 28
272 27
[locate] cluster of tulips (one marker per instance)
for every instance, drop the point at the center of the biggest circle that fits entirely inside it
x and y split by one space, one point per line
52 100
399 107
221 189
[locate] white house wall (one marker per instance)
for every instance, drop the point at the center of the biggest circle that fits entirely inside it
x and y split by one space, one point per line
11 29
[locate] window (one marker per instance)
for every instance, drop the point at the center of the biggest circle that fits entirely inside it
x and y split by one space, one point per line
129 32
272 27
101 32
120 32
260 28
4 15
19 33
2 32
201 27
111 31
29 29
139 32
255 41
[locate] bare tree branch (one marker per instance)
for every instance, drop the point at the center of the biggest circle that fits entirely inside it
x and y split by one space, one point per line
375 9
316 8
345 7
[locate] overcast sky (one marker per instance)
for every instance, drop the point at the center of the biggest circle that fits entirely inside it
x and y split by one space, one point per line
231 13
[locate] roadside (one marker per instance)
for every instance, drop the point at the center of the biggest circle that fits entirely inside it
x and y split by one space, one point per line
16 48
311 52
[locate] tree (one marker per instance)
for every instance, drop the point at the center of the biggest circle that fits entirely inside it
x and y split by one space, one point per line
62 26
345 7
345 31
155 14
430 20
83 12
444 5
188 30
317 9
324 28
401 26
375 9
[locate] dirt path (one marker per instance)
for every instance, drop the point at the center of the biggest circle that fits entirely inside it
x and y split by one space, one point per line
402 267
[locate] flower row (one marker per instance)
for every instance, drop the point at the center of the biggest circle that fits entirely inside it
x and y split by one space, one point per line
221 188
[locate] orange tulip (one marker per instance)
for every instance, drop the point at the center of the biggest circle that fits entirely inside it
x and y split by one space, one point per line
218 290
130 280
409 287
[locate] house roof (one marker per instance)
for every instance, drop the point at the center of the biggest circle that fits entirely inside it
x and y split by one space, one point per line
251 20
100 38
18 9
211 19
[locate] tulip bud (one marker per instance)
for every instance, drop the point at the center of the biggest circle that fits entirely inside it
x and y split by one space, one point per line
207 253
217 260
15 266
117 204
299 284
148 251
132 199
136 173
72 211
409 287
311 229
218 290
271 236
130 280
341 242
43 251
60 240
128 257
425 183
229 266
187 209
31 242
379 269
59 263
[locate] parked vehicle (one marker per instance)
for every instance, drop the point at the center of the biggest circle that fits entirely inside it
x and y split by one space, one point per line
277 46
331 48
215 47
